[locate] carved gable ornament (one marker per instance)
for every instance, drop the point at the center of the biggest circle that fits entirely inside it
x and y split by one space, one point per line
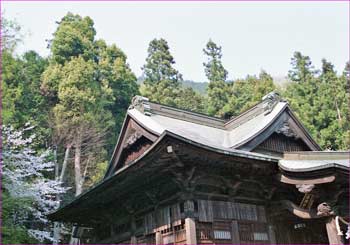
286 130
132 139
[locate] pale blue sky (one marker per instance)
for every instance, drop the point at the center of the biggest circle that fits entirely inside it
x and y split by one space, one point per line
253 35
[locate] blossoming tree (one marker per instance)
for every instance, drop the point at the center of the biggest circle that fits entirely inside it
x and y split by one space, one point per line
27 176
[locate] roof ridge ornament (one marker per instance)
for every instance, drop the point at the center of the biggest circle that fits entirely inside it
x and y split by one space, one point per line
141 104
271 100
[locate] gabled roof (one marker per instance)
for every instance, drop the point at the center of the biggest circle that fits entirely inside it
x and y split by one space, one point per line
243 132
224 136
212 131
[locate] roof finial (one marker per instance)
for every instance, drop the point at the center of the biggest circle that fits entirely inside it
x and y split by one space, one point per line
272 96
271 99
140 103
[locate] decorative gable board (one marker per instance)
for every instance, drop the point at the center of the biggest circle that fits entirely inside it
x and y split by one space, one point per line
133 141
286 133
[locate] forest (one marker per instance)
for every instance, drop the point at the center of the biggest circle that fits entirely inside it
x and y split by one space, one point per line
61 114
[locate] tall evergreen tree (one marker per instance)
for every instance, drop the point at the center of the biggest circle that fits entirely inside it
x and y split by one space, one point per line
162 80
218 92
74 37
82 110
332 101
302 91
89 84
321 102
302 68
114 72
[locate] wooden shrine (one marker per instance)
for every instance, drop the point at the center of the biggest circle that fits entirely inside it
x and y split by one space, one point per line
179 177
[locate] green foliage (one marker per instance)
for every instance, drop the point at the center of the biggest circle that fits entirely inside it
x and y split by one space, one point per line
246 93
162 80
214 70
218 90
321 102
97 173
163 83
113 79
114 72
191 100
88 85
10 34
302 69
218 96
22 99
11 86
80 96
74 37
12 231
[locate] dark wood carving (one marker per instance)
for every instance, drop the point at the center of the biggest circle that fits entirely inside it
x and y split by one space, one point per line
134 148
134 140
280 143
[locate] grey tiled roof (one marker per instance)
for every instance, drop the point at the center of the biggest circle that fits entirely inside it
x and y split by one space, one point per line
205 130
310 165
310 161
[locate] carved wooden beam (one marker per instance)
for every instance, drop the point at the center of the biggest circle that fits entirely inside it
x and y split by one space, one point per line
184 179
293 181
304 213
307 201
152 197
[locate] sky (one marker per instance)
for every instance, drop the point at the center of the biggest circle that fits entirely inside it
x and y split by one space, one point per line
253 35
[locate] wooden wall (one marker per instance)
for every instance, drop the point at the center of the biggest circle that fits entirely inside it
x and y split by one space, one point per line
216 222
229 222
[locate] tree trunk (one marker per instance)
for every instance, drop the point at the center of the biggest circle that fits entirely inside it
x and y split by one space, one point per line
56 225
338 110
77 167
65 162
86 169
56 162
78 179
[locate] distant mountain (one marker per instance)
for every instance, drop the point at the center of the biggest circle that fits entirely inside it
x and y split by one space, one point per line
199 87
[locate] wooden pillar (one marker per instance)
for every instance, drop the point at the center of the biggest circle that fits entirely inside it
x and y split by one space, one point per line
159 238
272 236
332 232
133 239
190 227
235 233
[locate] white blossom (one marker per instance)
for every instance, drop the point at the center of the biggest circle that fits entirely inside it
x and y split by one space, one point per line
25 172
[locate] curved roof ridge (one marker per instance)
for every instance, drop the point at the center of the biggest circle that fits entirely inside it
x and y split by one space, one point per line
147 107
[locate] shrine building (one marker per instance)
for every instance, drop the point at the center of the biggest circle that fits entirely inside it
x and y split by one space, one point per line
179 177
